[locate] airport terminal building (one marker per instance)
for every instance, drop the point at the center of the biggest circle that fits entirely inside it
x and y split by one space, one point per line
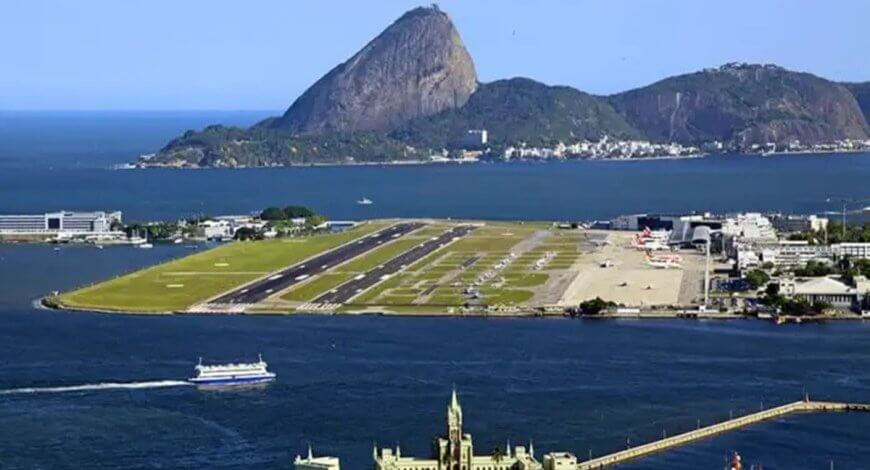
61 222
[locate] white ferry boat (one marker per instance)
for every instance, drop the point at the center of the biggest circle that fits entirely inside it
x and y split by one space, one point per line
364 201
232 374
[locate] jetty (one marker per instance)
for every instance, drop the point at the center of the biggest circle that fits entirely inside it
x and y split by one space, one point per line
803 406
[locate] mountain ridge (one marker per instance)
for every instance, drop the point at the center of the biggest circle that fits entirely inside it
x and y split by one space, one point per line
413 91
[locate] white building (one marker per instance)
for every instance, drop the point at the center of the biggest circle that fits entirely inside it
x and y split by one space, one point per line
791 254
66 222
560 461
852 250
750 227
311 462
217 229
455 451
821 289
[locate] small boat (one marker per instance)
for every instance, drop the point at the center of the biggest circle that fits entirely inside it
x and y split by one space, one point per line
365 201
145 245
232 374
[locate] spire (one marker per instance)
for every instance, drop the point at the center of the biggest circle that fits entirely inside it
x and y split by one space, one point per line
507 449
398 451
531 449
375 451
454 401
310 454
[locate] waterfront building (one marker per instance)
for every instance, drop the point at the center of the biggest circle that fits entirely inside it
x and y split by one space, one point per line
68 222
560 461
821 289
455 451
311 462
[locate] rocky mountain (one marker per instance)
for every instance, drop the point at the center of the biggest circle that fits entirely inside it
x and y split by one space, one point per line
416 67
521 110
744 104
413 91
861 92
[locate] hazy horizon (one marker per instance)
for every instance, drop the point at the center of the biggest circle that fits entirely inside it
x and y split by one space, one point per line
224 56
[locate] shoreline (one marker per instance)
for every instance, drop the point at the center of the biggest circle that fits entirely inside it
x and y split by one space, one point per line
412 163
46 304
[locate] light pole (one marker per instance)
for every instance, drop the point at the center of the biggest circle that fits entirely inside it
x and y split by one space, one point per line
707 275
845 202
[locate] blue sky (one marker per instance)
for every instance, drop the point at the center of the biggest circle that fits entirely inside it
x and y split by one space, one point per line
260 54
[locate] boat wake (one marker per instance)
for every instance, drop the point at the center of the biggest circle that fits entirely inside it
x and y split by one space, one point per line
98 387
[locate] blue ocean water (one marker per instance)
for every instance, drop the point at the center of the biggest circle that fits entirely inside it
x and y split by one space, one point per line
346 382
50 161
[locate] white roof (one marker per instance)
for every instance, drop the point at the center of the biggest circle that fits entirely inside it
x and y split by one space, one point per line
822 285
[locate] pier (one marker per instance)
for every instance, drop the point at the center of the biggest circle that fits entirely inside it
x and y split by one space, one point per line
803 406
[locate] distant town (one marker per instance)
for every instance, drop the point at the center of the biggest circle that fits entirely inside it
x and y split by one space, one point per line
476 146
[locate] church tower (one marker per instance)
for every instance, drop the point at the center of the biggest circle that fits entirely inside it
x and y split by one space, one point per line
454 420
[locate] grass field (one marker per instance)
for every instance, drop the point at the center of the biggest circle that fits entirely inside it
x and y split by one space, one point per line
499 263
340 274
181 283
442 279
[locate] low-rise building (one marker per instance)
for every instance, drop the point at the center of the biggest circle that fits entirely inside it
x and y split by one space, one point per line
798 223
69 222
852 250
217 229
821 289
316 463
560 461
456 451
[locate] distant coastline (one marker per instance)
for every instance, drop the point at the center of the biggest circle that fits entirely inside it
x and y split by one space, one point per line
410 163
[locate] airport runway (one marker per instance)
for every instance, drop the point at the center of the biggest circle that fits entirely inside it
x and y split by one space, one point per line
259 290
348 290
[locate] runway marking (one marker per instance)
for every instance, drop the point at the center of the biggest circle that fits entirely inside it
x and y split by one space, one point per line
214 273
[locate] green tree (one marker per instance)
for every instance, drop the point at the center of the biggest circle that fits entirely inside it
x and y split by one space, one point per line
246 233
594 306
757 278
273 213
293 212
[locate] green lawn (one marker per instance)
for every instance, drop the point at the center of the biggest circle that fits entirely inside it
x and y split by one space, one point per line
506 296
181 283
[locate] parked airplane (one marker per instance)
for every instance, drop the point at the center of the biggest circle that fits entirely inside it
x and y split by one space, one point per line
670 264
652 240
664 257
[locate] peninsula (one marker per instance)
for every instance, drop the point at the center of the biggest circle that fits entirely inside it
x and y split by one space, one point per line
690 266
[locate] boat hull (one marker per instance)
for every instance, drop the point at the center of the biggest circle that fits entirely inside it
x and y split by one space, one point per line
227 381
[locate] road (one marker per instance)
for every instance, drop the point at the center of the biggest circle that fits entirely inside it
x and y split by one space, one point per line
276 282
348 290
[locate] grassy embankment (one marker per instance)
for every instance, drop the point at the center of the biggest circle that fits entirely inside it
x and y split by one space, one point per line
181 283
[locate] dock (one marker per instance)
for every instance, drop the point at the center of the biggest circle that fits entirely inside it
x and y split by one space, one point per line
803 406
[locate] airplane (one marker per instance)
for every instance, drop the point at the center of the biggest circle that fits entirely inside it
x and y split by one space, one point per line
664 257
652 240
664 264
